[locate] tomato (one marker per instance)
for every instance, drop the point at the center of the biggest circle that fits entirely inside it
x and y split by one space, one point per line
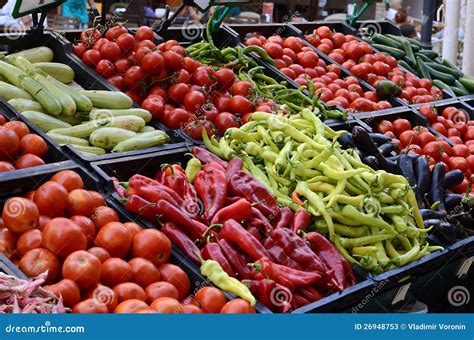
400 125
69 179
42 221
83 268
190 64
126 42
242 88
114 238
440 128
152 63
460 188
454 132
20 214
210 112
80 203
79 49
7 236
20 128
167 305
155 105
30 239
91 35
132 228
160 289
237 306
408 137
193 100
114 32
177 277
117 81
103 295
141 52
100 253
426 137
33 144
362 104
195 128
90 306
226 120
105 68
461 151
353 51
9 144
384 126
414 148
204 76
133 76
28 161
470 161
87 227
241 105
225 78
91 57
288 72
130 306
152 245
458 163
432 149
115 271
429 112
6 166
326 49
210 299
110 50
122 65
192 309
129 290
157 90
144 33
253 41
51 198
7 249
246 117
308 59
68 290
456 140
62 237
103 215
174 119
450 110
469 135
173 61
274 50
39 260
144 272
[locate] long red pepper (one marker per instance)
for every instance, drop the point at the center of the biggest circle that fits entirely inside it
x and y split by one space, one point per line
234 165
236 261
284 275
300 300
119 189
298 250
212 251
254 230
142 207
177 236
231 200
349 273
267 227
137 181
283 298
301 221
329 254
285 218
245 185
155 194
267 294
253 286
211 187
206 157
310 293
241 210
278 255
235 233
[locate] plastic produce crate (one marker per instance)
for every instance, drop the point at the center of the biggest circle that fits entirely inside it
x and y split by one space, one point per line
7 267
309 27
442 104
54 154
468 101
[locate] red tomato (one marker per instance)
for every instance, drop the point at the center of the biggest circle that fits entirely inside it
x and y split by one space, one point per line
20 214
87 227
241 105
30 239
432 149
470 161
90 306
440 128
115 271
237 306
114 238
458 163
129 290
152 63
114 32
80 203
130 306
461 188
39 260
242 88
226 120
174 119
126 42
210 299
177 277
100 253
160 289
33 144
68 290
9 144
166 305
144 33
400 125
195 128
460 150
133 76
28 161
69 179
152 245
429 112
193 101
51 198
79 49
204 76
426 137
225 78
274 50
156 106
110 50
408 137
144 272
63 237
83 268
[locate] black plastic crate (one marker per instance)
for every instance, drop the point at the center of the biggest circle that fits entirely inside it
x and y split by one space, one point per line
373 118
442 104
267 30
468 101
336 26
7 267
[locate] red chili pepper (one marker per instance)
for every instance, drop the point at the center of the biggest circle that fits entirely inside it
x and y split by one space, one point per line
349 274
254 230
235 233
267 227
169 171
206 157
244 185
211 188
253 286
231 200
137 181
284 275
284 219
298 250
285 307
266 292
310 293
278 255
301 220
177 236
283 298
155 194
236 261
234 166
212 251
239 211
170 213
300 300
329 254
142 207
119 189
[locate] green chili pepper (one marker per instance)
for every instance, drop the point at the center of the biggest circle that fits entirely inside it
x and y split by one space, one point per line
275 123
282 160
343 251
214 149
192 168
267 138
392 209
355 201
260 51
353 213
409 255
253 149
365 250
364 240
411 200
350 231
321 186
343 219
333 196
338 174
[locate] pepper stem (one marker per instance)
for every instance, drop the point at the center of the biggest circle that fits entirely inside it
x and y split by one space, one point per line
212 226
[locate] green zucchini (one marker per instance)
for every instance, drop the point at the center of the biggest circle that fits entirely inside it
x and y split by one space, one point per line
89 150
442 86
105 113
430 54
444 77
9 92
68 105
401 38
387 41
21 105
468 83
406 66
82 102
33 55
459 92
394 52
58 71
42 95
449 64
108 137
67 140
142 141
461 88
445 69
422 68
409 56
108 99
423 57
43 121
73 120
11 73
146 128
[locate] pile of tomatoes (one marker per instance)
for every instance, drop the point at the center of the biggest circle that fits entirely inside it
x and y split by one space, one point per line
301 63
359 58
19 149
178 90
96 263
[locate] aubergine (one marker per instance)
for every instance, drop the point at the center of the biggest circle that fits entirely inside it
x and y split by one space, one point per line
386 149
371 161
446 232
437 186
346 141
423 179
430 214
379 138
453 178
453 203
405 163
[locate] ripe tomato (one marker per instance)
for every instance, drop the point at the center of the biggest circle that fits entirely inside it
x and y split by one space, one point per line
115 32
174 119
132 228
7 236
177 277
195 128
470 162
469 135
461 150
237 306
7 249
28 161
157 90
6 166
20 214
177 92
458 163
155 105
133 76
167 305
39 260
117 81
87 227
30 239
408 137
460 188
68 290
429 112
68 179
173 61
432 149
144 33
91 57
129 290
440 128
33 144
449 111
225 78
51 198
115 271
83 268
425 137
42 221
90 306
103 215
362 105
210 299
400 125
190 64
241 105
105 68
79 49
152 63
80 203
384 126
226 120
9 144
288 72
130 306
103 295
20 128
242 88
126 42
193 100
144 272
160 289
192 309
122 65
114 238
204 76
210 112
63 237
152 245
102 254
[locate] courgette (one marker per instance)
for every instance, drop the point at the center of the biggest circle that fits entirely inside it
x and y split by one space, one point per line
444 77
9 92
459 89
21 105
146 128
106 113
442 86
394 52
24 65
423 57
58 71
430 54
43 121
409 56
108 137
68 105
468 83
33 55
142 141
73 120
401 38
406 66
11 73
108 99
82 102
67 140
449 64
387 41
422 68
89 150
445 69
42 95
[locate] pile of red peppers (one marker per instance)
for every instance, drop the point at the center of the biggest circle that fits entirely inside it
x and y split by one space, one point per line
226 215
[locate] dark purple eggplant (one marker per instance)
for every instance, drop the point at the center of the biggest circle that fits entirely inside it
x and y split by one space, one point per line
430 214
446 232
432 222
386 149
437 186
346 141
371 161
453 202
379 138
405 163
423 179
453 178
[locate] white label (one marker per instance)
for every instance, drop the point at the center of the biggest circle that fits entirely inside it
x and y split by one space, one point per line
402 293
464 268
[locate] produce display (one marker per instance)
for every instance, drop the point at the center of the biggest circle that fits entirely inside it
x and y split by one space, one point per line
66 236
93 122
373 67
424 63
19 149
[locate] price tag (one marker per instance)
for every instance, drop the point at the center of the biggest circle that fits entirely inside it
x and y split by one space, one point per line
464 268
402 293
25 7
